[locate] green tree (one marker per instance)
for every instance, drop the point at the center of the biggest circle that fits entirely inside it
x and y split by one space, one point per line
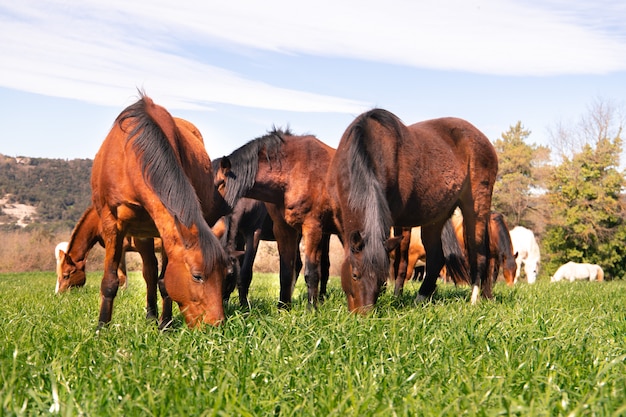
521 169
587 222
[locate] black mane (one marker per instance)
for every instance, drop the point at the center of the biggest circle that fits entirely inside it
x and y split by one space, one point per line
245 162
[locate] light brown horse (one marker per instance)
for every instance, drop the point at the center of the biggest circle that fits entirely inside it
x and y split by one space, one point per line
289 172
88 232
149 179
387 174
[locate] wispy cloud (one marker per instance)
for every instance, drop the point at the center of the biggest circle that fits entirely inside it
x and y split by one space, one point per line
98 51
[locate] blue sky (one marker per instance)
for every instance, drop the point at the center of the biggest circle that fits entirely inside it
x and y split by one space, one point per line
237 68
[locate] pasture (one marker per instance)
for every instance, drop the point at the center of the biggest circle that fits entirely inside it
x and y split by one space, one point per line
546 349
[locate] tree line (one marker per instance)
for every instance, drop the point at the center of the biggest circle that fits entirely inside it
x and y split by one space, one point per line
571 194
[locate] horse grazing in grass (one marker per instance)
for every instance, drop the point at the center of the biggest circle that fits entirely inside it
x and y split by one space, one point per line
387 174
287 171
501 252
573 271
149 179
72 260
526 251
246 226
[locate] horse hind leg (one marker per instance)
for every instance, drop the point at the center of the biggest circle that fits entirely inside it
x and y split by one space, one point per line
166 312
475 223
150 272
431 239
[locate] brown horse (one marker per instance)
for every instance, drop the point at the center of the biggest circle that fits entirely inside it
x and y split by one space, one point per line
88 232
500 248
148 180
287 171
246 226
387 174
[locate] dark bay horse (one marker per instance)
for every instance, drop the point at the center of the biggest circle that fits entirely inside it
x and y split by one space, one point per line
245 227
289 172
148 180
88 232
387 174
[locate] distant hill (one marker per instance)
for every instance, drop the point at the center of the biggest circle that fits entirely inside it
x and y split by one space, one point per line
58 190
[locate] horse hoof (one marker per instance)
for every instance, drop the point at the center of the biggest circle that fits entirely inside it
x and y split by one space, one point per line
421 299
475 294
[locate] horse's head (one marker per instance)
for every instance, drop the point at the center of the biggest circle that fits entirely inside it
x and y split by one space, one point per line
194 276
509 268
363 272
70 273
531 267
222 171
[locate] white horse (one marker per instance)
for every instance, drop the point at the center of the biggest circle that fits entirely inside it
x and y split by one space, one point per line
573 271
526 251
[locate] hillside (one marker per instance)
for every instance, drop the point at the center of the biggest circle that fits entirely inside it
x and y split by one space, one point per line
45 191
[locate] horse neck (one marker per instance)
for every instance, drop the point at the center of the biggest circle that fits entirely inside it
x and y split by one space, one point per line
196 164
85 235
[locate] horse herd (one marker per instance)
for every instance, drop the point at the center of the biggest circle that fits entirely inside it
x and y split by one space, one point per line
152 181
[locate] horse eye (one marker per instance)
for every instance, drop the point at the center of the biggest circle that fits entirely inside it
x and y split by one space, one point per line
197 277
355 276
66 276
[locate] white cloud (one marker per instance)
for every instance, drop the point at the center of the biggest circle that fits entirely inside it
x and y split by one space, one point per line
98 51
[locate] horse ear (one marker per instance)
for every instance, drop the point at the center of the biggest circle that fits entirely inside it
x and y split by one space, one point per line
186 233
392 243
225 164
356 242
515 255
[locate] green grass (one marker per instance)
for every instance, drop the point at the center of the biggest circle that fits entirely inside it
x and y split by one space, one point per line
547 349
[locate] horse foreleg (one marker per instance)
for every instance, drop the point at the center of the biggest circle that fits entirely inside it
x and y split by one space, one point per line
287 240
150 271
431 239
324 265
477 248
312 235
166 313
110 281
245 275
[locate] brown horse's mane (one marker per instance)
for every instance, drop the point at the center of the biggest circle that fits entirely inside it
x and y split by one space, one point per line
245 162
97 237
160 166
162 169
504 239
366 194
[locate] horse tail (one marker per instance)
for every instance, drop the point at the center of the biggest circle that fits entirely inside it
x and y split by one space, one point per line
366 193
456 262
600 276
156 146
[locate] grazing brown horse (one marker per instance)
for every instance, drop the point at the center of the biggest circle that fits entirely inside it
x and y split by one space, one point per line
88 232
246 226
289 172
500 248
149 180
387 174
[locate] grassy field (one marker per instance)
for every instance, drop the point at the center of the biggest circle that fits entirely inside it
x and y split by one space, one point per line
547 349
